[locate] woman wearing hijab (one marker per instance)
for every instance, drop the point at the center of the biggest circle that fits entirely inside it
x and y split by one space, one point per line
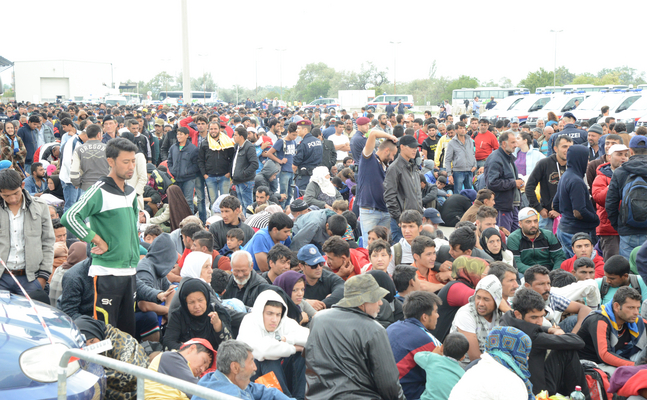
76 254
390 310
55 187
502 372
320 191
491 243
178 207
293 283
197 317
13 148
124 348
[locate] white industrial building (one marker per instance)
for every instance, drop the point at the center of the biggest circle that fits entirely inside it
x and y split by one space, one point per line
48 80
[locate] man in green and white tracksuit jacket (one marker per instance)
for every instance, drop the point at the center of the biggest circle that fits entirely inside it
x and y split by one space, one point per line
113 215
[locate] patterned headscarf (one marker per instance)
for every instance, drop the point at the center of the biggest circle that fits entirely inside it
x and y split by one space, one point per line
469 270
511 347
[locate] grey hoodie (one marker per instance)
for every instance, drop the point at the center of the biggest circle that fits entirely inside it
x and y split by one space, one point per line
263 178
152 269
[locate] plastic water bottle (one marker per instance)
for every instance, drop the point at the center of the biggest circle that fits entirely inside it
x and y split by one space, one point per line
577 394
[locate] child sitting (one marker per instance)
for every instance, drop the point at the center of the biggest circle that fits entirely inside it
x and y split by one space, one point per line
443 371
235 239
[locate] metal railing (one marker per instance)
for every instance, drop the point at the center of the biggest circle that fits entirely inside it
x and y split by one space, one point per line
139 372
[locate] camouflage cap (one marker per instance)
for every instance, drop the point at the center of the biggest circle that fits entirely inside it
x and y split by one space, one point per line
361 289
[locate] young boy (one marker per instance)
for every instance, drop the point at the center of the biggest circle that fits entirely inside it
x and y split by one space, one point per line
339 206
277 342
379 253
443 371
235 239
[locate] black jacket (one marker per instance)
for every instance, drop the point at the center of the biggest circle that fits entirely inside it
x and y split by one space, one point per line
542 341
360 367
500 177
636 165
77 297
215 162
329 289
454 208
579 136
169 140
219 231
402 188
182 163
429 194
329 156
309 153
246 164
547 173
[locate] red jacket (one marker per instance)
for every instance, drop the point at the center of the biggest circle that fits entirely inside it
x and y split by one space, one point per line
359 258
599 191
485 144
193 134
567 265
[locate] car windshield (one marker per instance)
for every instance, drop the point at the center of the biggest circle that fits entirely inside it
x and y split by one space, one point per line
593 102
639 105
507 103
526 103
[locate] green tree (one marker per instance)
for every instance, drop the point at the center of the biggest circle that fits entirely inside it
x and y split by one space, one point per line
162 81
537 79
585 78
203 83
314 81
463 81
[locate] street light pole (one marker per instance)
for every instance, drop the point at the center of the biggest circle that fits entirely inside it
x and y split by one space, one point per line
395 57
555 60
281 71
256 90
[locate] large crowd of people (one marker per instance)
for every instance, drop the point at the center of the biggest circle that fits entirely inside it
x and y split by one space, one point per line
273 253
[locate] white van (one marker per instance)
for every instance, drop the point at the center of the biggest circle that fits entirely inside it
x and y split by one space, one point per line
559 105
114 99
502 106
525 107
380 102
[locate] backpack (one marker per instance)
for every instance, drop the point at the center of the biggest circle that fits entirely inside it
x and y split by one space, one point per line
162 181
633 208
597 381
633 282
397 254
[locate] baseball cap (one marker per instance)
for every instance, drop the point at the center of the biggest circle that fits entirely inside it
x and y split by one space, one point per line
408 141
362 121
159 122
638 142
514 120
206 344
617 147
581 236
310 255
527 212
569 115
433 215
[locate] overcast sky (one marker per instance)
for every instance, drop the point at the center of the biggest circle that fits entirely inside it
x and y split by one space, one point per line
484 39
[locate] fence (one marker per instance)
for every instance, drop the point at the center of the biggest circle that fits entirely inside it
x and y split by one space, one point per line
139 372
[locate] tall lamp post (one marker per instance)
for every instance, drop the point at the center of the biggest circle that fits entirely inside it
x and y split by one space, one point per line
256 90
395 57
555 63
280 71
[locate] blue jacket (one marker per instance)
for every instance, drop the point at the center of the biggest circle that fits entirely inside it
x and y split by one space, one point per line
407 338
636 165
255 391
30 139
309 153
31 188
573 194
183 164
579 136
500 177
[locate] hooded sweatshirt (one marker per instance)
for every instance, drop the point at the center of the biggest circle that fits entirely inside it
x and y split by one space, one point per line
263 178
152 269
573 194
265 344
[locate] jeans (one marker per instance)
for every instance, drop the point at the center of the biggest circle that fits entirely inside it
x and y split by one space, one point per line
546 223
244 193
7 283
71 195
286 179
199 194
628 243
565 239
369 219
396 233
610 245
187 188
462 180
217 186
480 164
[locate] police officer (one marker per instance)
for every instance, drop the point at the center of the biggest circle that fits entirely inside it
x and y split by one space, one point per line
579 136
309 155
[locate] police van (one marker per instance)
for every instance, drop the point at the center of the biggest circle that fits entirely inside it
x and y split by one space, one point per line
527 105
380 102
559 104
325 104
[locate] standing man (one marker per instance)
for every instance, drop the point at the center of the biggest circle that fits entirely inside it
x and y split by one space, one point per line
476 107
625 197
360 346
358 141
29 135
594 134
283 153
501 177
485 143
341 141
215 156
400 108
491 104
71 193
371 173
460 161
89 162
111 206
309 155
243 168
182 164
390 108
547 174
402 185
579 136
158 138
27 238
109 128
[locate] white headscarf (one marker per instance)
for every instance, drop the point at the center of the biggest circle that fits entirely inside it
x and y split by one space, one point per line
193 263
319 177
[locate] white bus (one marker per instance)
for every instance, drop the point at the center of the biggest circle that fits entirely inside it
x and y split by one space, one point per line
484 94
196 96
581 88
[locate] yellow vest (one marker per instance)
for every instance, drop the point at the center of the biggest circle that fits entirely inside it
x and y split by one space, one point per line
157 391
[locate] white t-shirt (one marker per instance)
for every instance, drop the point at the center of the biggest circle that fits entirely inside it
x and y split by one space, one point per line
466 322
407 256
337 140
